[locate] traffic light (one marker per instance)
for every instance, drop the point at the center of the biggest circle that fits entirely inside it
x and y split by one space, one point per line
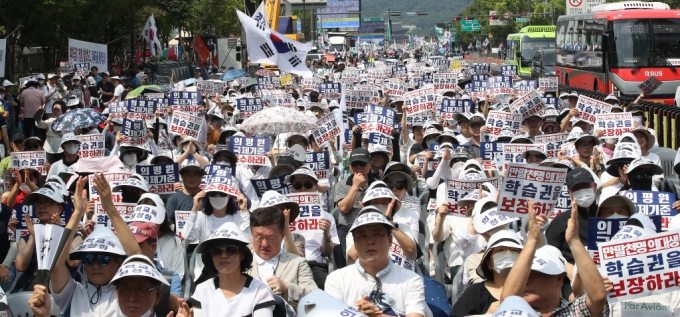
454 19
466 18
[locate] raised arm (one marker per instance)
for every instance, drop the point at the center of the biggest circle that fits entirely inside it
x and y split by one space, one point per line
127 239
60 274
519 273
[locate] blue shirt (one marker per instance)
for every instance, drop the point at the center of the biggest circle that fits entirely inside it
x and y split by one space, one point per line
176 284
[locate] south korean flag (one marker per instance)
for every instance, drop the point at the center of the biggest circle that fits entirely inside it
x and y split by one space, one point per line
260 48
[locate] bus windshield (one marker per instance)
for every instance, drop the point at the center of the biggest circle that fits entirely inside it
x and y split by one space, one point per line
645 43
530 45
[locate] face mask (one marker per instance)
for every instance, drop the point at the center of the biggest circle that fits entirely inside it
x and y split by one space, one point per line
218 202
71 148
429 142
25 189
638 120
504 260
382 208
616 216
41 82
640 182
584 197
117 129
227 163
610 140
2 96
130 159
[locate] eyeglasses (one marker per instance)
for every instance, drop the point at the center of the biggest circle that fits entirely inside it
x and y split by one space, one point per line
217 194
136 292
102 259
397 185
44 203
358 164
307 184
376 293
230 250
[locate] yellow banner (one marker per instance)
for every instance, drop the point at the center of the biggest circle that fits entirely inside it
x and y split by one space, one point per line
286 80
456 65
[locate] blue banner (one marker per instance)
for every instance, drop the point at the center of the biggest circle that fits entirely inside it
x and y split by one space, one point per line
509 70
652 203
489 151
276 184
248 107
493 82
250 151
319 162
161 178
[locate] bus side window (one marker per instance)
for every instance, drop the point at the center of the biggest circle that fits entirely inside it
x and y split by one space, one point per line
561 31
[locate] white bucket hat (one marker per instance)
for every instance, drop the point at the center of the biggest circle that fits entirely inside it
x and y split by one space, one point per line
141 266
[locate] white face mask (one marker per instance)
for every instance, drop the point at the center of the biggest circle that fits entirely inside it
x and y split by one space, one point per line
584 197
219 202
130 159
504 260
638 120
616 215
71 148
25 189
610 140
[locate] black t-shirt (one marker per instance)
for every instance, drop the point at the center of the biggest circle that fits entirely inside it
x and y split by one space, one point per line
106 87
475 300
416 148
555 234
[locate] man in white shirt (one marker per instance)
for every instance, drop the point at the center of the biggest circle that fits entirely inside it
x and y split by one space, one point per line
373 284
118 91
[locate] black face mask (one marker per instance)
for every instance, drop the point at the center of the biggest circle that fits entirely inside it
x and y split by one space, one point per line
640 182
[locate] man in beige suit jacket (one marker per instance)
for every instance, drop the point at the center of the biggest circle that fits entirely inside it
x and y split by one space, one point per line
288 275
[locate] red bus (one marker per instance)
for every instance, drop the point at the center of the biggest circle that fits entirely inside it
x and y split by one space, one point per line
618 46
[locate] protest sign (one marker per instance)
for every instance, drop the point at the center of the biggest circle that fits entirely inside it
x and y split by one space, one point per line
649 85
21 210
498 82
400 72
420 162
181 218
377 140
509 70
134 132
91 145
185 123
266 82
589 107
223 181
124 209
114 179
492 155
653 203
528 105
524 87
641 266
205 87
185 101
523 182
548 84
32 159
161 178
307 222
117 109
395 88
418 120
330 91
553 142
141 109
482 69
498 120
86 52
319 162
613 125
248 107
455 65
512 152
328 129
310 83
450 107
478 88
563 203
419 101
275 184
569 149
479 78
286 80
444 82
602 230
359 99
550 102
250 151
378 119
162 105
457 189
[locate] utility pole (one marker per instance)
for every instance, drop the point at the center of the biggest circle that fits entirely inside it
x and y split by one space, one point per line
552 13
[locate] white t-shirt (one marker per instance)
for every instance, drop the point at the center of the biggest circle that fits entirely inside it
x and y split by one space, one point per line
453 226
118 91
77 296
402 291
313 240
254 297
172 253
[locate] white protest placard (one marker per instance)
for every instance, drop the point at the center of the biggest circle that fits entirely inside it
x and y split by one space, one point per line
87 52
588 108
553 142
114 179
248 107
126 210
395 87
318 162
3 56
91 145
185 101
330 91
420 161
613 125
523 182
181 218
134 132
493 92
378 119
649 85
358 99
457 189
117 109
569 149
450 107
250 151
498 120
141 109
328 129
528 105
307 222
548 84
310 83
512 152
641 266
31 159
184 123
419 101
161 178
444 82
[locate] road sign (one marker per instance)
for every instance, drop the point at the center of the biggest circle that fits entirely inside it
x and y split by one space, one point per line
496 21
506 15
521 20
469 26
372 20
581 6
524 13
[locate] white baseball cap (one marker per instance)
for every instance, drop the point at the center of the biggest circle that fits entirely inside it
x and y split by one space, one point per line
546 262
303 170
132 182
273 198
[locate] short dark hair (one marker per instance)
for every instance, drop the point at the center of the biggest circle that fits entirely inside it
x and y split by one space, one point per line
93 68
267 216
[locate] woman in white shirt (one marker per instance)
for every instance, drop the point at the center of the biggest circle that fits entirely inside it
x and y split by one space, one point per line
229 291
219 207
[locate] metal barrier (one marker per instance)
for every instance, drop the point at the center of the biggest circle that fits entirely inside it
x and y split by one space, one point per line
664 119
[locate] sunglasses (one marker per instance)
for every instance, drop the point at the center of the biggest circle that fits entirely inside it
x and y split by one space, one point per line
102 259
307 184
358 164
230 250
32 147
397 185
217 194
457 160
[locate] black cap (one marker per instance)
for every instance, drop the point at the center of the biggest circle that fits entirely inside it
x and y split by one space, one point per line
18 137
359 155
578 176
634 108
